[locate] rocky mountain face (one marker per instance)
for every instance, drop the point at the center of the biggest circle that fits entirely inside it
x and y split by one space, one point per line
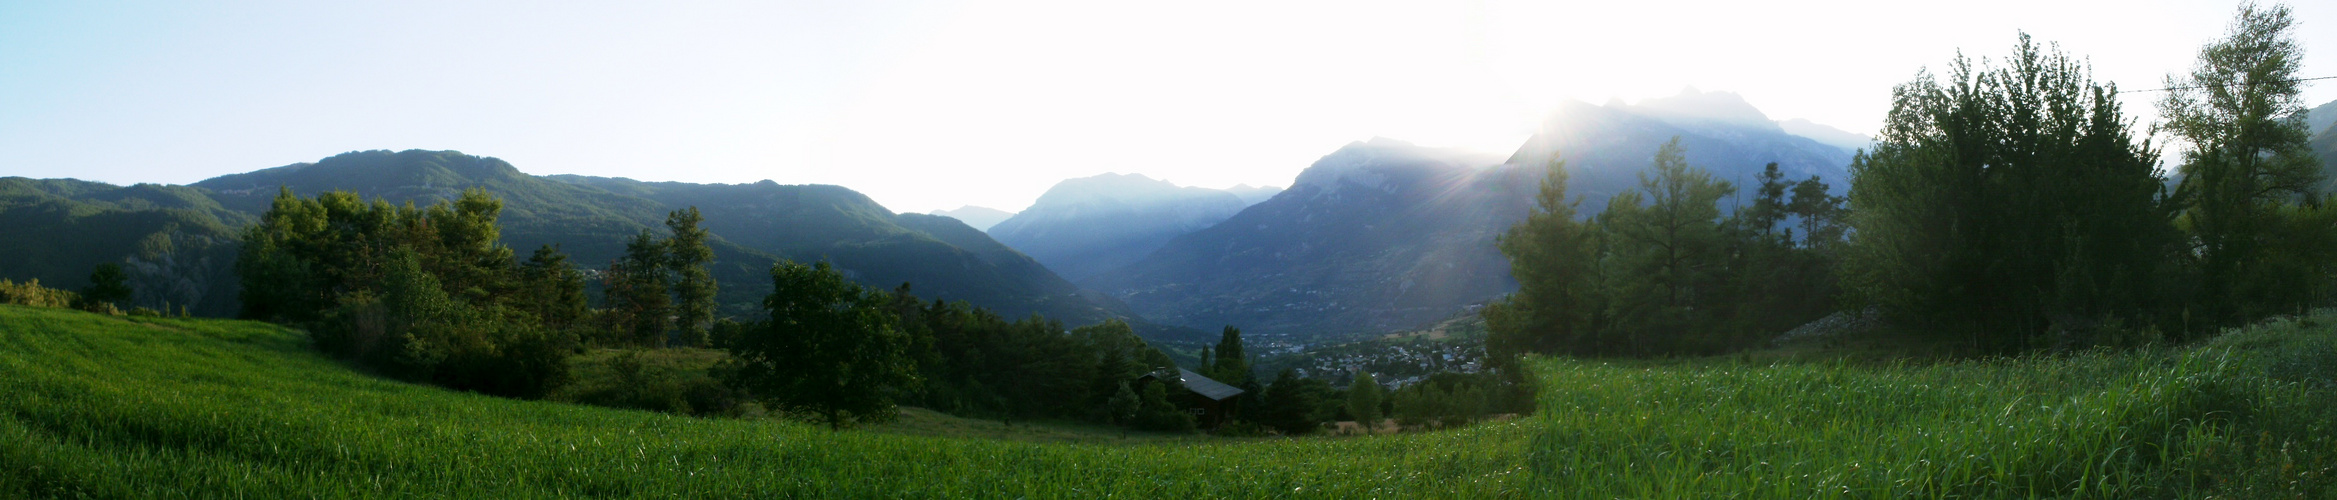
1086 226
980 218
1383 236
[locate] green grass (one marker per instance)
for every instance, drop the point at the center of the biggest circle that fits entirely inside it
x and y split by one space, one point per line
923 422
103 406
113 407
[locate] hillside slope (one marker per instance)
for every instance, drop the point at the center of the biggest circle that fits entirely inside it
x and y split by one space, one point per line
753 226
109 407
175 244
940 257
114 407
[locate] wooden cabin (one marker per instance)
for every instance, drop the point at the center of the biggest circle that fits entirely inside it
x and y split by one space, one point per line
1211 402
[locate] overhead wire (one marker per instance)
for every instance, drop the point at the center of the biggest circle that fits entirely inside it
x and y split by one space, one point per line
2194 87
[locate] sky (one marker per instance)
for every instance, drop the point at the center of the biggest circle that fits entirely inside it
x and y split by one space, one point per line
928 105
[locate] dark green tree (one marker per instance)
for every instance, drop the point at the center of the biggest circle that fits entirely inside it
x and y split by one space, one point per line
1363 398
2006 204
1122 407
688 257
2247 194
426 294
107 285
1557 306
1232 366
830 348
1157 413
1821 213
1666 254
1769 203
551 288
637 292
1289 406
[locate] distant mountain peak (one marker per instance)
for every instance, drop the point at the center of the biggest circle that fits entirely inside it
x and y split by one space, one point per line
1252 195
1825 134
1693 108
981 218
1369 163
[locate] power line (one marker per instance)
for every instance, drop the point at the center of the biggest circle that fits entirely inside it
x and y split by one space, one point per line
2206 86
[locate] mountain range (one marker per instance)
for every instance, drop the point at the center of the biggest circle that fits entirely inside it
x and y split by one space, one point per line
980 218
1379 235
1384 235
1086 226
57 230
175 244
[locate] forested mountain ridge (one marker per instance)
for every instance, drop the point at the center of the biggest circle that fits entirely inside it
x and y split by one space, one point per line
175 244
941 257
1085 226
1384 236
754 225
2322 121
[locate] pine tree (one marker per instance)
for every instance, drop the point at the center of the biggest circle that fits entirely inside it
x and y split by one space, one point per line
1363 397
1288 407
637 292
1769 204
1232 366
1668 250
687 257
551 288
1556 306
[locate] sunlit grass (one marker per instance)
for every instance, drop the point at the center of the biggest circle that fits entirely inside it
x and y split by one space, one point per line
138 407
2142 424
107 407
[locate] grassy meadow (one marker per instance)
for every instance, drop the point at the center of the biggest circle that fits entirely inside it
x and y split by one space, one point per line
108 407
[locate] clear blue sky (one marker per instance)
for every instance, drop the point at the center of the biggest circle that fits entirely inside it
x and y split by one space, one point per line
927 105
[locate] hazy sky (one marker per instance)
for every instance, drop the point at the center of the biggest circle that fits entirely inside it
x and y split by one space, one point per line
927 105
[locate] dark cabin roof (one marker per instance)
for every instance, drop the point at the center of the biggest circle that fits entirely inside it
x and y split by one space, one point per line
1207 388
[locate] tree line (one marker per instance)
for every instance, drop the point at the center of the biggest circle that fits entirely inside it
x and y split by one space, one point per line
427 294
2009 206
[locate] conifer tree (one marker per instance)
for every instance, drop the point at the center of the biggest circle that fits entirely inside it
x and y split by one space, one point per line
1668 250
1232 367
687 257
552 288
1557 305
637 292
1363 398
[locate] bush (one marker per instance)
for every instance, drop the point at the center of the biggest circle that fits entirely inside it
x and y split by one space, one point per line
31 293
